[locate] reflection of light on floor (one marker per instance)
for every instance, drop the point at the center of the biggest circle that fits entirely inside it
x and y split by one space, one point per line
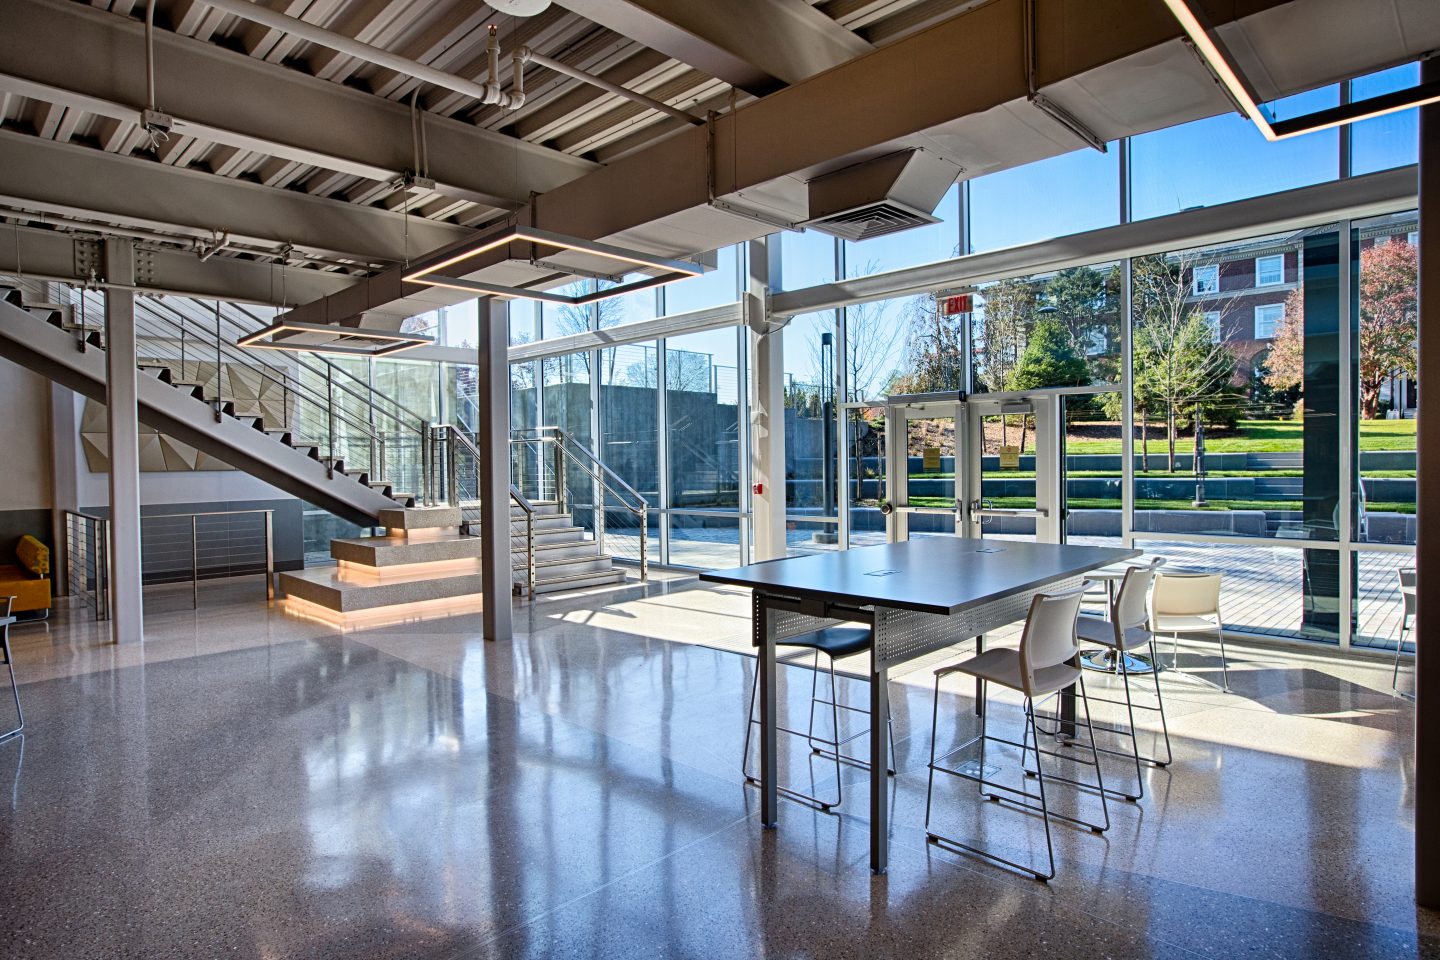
381 616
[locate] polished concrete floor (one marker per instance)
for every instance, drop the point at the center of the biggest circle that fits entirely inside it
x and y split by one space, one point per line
253 784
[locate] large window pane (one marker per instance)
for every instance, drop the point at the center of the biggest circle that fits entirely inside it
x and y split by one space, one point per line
563 319
703 430
909 248
902 346
1050 198
565 395
704 541
1264 590
628 308
806 259
1225 158
1385 349
1048 330
1389 141
628 417
718 286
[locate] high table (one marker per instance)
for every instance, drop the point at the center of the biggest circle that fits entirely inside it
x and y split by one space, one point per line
919 596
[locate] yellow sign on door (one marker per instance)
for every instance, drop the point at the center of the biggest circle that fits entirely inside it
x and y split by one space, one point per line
1009 458
932 458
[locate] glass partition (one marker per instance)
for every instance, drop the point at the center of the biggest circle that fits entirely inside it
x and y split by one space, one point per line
1061 195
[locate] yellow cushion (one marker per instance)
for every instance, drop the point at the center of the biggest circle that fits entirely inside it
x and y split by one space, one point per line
33 556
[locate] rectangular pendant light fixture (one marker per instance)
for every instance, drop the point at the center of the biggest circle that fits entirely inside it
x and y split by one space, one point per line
352 341
1234 84
625 261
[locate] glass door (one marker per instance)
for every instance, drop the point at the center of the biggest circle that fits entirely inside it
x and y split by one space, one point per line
1014 489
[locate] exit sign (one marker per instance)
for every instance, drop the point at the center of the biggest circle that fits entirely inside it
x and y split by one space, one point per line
950 306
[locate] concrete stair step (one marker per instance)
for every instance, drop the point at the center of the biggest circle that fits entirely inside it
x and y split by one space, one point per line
582 580
381 552
344 590
419 518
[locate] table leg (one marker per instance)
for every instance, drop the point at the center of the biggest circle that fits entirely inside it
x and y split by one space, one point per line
879 763
1067 713
979 684
769 797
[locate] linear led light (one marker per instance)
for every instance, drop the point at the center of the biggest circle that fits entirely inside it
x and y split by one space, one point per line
386 341
671 270
1234 84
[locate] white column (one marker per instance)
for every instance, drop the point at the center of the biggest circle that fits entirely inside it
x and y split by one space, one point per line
493 395
127 623
767 410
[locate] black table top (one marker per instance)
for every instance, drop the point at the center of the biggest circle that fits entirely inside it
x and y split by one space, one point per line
932 574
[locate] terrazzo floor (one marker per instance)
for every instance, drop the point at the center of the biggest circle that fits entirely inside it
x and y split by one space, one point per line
252 784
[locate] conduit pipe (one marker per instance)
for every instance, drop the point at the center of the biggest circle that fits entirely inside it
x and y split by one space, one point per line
487 93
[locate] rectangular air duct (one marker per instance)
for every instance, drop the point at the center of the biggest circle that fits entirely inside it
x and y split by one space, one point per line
880 196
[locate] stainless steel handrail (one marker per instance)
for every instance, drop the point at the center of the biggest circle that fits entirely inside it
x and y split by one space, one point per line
598 471
99 595
267 516
516 497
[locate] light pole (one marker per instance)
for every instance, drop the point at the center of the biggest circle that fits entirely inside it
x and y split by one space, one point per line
1199 459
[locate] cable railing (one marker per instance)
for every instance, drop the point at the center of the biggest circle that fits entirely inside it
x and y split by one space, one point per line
207 545
87 561
549 466
457 478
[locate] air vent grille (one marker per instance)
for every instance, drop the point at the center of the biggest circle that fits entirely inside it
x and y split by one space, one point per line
875 220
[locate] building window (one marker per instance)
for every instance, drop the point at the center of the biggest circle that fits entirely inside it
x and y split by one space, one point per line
1413 238
1206 280
1212 321
1270 271
1267 317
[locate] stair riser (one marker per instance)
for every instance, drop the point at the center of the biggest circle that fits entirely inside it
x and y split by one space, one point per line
600 579
383 594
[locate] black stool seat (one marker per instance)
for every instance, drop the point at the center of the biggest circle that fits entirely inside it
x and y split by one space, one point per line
836 642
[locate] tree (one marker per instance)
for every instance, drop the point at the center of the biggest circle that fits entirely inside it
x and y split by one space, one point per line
1049 360
936 351
1388 331
1086 301
1180 359
1009 311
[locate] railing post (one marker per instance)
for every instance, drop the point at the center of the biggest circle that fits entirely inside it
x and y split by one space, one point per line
530 554
330 419
269 556
425 466
194 563
219 379
644 533
452 480
560 490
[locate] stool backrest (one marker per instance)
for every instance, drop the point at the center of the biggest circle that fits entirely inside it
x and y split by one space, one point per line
1130 603
1049 635
1408 582
1186 594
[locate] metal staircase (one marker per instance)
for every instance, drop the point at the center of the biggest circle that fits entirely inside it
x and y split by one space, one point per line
311 427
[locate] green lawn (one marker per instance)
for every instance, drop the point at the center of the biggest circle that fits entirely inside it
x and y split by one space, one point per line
1161 474
1097 503
1264 436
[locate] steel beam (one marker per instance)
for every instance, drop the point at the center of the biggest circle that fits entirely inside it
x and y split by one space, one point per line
60 256
122 435
223 96
136 190
756 45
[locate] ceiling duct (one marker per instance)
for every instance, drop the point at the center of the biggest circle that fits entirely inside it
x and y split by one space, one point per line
880 196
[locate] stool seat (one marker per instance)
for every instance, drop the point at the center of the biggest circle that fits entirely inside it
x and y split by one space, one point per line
836 642
1101 631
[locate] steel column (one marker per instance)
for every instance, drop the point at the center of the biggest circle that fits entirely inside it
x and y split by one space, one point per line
1427 546
767 412
127 624
492 394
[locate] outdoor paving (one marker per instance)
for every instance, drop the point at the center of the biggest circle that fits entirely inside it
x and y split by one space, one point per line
1262 592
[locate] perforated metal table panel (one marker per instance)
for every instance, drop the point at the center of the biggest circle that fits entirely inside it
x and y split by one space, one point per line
919 596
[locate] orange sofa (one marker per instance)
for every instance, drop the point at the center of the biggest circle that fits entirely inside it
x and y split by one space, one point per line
28 579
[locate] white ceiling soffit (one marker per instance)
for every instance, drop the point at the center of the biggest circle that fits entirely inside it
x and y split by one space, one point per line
1276 49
